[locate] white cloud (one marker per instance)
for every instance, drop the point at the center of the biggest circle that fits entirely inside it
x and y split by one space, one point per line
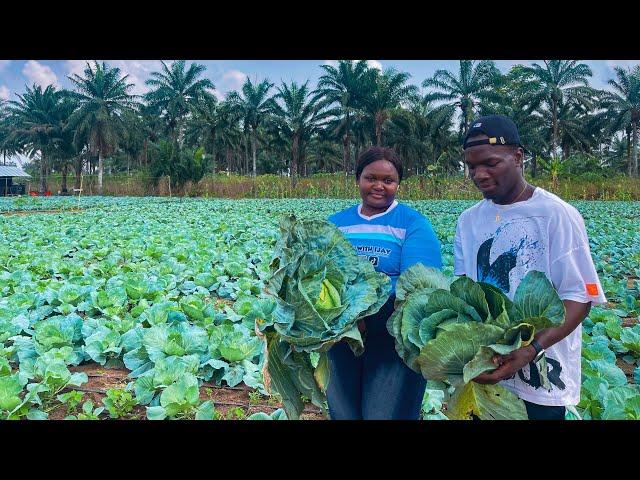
374 64
230 80
138 72
76 67
4 64
622 63
4 92
40 74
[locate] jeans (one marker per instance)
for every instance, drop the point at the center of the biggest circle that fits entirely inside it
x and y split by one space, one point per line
544 412
376 385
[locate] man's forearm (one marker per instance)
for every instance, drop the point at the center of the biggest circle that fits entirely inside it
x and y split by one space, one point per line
575 313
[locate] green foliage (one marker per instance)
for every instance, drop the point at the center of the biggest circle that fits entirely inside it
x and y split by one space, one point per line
71 400
449 331
87 412
321 288
236 413
278 414
167 289
119 403
182 165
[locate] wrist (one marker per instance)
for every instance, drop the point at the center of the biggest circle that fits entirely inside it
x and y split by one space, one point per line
539 349
531 352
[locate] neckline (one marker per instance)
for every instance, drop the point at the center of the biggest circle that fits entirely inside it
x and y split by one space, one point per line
391 207
515 204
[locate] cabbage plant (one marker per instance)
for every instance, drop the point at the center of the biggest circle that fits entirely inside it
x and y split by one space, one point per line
450 330
321 289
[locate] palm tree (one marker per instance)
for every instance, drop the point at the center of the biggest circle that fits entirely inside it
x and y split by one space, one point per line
473 84
204 125
133 141
7 146
299 114
255 106
616 156
175 91
345 85
557 82
103 96
229 134
36 125
388 93
573 133
510 99
65 148
623 108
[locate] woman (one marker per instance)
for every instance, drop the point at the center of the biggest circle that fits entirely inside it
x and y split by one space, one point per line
378 384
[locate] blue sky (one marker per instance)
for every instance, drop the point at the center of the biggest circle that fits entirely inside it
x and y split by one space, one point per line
229 74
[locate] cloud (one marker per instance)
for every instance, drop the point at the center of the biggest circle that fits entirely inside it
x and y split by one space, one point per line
76 67
374 64
138 72
4 64
230 80
4 92
622 63
40 74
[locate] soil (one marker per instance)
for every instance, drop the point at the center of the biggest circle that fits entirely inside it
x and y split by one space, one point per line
627 368
227 400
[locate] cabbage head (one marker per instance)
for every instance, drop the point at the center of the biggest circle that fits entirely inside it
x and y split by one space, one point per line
321 289
449 331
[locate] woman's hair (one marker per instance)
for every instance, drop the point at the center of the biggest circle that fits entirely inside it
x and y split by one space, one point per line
378 153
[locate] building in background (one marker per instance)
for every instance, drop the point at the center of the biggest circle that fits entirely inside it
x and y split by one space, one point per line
7 184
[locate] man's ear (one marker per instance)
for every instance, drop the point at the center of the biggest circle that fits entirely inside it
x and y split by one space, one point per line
519 157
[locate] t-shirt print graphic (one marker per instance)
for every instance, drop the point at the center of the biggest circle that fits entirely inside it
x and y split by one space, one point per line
497 274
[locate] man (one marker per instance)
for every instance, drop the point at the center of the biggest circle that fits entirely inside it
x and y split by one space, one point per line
518 228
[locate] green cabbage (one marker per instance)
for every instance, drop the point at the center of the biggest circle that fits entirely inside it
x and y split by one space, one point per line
321 289
449 331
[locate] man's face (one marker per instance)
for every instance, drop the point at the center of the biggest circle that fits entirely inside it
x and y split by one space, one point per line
494 169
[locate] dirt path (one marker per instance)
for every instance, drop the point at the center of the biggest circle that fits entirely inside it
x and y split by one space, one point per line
231 403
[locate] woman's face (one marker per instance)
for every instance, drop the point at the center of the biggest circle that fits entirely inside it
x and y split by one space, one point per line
378 185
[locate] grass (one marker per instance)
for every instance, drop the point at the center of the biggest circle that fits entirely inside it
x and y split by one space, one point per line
339 185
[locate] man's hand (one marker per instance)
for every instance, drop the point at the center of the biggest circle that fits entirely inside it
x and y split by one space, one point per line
508 365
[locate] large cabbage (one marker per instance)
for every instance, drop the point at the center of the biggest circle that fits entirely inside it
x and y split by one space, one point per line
449 331
321 289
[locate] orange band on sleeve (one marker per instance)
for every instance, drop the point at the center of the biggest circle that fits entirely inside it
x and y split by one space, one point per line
592 289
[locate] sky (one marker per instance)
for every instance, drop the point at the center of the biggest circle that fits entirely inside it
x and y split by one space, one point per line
228 75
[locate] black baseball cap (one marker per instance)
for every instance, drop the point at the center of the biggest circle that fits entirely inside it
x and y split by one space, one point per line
500 129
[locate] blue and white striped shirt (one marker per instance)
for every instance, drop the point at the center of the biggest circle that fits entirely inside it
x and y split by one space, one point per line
393 240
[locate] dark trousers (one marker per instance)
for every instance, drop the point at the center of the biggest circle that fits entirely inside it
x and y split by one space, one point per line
376 385
544 412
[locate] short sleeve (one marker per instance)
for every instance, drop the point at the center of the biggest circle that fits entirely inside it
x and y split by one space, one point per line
572 271
421 245
458 258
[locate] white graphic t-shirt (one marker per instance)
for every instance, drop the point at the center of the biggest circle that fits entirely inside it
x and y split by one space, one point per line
500 244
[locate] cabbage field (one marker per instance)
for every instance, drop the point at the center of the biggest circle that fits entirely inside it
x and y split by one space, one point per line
145 308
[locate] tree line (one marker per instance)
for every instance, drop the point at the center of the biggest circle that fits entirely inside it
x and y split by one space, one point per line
181 129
